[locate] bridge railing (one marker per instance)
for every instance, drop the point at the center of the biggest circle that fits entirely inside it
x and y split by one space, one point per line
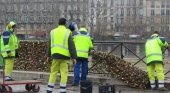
125 49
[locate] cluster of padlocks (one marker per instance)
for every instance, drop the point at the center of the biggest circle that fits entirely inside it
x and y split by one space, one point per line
121 69
33 57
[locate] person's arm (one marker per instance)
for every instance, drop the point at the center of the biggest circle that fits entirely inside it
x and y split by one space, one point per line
49 46
16 48
71 47
18 42
90 43
6 36
162 41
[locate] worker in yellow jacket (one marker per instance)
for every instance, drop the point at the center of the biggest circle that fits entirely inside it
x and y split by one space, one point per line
83 45
9 46
62 48
154 60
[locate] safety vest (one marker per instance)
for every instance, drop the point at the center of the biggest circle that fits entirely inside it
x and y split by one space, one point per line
11 46
153 49
83 43
59 41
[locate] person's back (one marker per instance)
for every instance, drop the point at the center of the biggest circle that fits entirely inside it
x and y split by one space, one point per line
1 59
83 45
61 48
154 60
154 46
59 37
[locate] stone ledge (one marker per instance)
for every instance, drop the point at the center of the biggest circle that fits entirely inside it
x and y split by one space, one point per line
43 76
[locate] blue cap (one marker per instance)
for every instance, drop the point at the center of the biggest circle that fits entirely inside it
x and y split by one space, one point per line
72 26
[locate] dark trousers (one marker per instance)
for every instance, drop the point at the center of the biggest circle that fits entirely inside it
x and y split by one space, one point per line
84 68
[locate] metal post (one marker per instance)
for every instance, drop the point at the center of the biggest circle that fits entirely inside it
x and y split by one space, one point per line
121 50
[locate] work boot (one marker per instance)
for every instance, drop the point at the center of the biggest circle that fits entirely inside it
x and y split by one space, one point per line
49 91
7 78
153 88
163 89
75 84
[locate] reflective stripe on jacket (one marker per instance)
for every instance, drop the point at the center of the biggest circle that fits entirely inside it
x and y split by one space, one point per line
59 41
153 49
11 46
83 43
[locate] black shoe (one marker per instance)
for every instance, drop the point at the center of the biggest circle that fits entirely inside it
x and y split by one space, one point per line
163 89
153 88
75 84
49 91
9 79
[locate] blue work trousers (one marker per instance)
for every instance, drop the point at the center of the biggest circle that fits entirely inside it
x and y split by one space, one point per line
84 70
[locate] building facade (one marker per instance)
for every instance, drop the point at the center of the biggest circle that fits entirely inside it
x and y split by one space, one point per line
129 16
38 17
124 17
102 18
142 17
157 14
74 10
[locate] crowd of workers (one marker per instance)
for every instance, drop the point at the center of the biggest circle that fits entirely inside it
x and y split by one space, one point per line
67 41
70 42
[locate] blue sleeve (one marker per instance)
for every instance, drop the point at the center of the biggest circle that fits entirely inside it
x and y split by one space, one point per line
163 39
6 35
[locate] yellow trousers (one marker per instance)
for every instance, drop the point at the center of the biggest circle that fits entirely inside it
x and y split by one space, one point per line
9 64
62 65
159 70
158 67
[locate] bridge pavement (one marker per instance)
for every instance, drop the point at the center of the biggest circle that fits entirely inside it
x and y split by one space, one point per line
119 89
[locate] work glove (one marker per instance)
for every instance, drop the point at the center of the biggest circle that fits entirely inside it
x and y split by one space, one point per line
168 47
16 53
74 61
72 64
9 54
47 60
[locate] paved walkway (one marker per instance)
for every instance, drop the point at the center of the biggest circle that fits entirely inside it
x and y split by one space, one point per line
21 89
119 89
